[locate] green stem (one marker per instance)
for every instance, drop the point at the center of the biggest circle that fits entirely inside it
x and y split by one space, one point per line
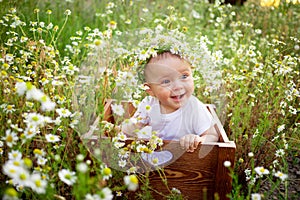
62 28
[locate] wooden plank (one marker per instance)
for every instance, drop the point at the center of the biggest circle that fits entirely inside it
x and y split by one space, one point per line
218 126
108 111
223 179
191 173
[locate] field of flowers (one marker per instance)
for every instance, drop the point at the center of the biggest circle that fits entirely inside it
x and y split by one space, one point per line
60 60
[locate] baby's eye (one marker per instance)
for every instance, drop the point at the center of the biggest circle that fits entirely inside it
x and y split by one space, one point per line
184 76
165 82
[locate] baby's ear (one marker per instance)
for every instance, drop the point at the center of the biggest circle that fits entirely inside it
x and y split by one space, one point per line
148 89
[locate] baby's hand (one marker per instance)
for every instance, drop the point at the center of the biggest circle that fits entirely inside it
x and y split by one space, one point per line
190 142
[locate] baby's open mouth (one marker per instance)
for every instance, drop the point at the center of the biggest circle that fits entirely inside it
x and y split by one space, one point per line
177 96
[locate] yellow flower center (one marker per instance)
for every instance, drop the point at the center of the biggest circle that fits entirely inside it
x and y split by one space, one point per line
44 98
106 171
27 162
9 138
38 183
29 86
35 118
23 176
68 176
148 107
11 192
37 151
133 179
155 160
16 163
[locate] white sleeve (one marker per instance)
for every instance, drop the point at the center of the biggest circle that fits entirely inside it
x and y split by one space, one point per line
202 119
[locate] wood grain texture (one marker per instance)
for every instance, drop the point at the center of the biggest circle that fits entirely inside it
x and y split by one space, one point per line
191 173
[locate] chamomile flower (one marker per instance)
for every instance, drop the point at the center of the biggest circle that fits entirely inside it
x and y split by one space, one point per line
106 194
39 153
122 136
22 177
131 182
118 109
34 119
195 14
63 112
261 171
67 176
122 163
15 155
10 169
41 160
255 196
8 108
38 184
34 93
31 131
281 127
106 173
140 148
132 170
70 69
48 105
9 58
52 138
67 12
281 175
10 138
10 194
112 24
118 144
119 193
27 163
279 153
16 162
123 153
127 21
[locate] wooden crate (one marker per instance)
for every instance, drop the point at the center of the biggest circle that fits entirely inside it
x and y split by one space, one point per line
198 175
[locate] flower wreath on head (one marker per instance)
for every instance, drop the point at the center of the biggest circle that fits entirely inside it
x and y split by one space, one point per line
194 51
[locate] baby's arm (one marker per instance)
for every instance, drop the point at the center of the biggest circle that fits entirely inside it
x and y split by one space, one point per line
191 141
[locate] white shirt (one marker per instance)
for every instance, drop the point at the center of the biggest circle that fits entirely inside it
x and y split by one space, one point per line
192 118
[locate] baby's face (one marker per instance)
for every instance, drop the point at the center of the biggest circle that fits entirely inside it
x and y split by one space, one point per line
170 80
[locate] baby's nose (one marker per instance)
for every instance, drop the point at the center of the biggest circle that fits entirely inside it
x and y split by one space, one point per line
177 84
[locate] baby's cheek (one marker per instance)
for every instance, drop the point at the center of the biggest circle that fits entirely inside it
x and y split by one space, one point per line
164 93
190 85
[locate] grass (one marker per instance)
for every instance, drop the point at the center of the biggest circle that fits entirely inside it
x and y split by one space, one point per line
56 46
